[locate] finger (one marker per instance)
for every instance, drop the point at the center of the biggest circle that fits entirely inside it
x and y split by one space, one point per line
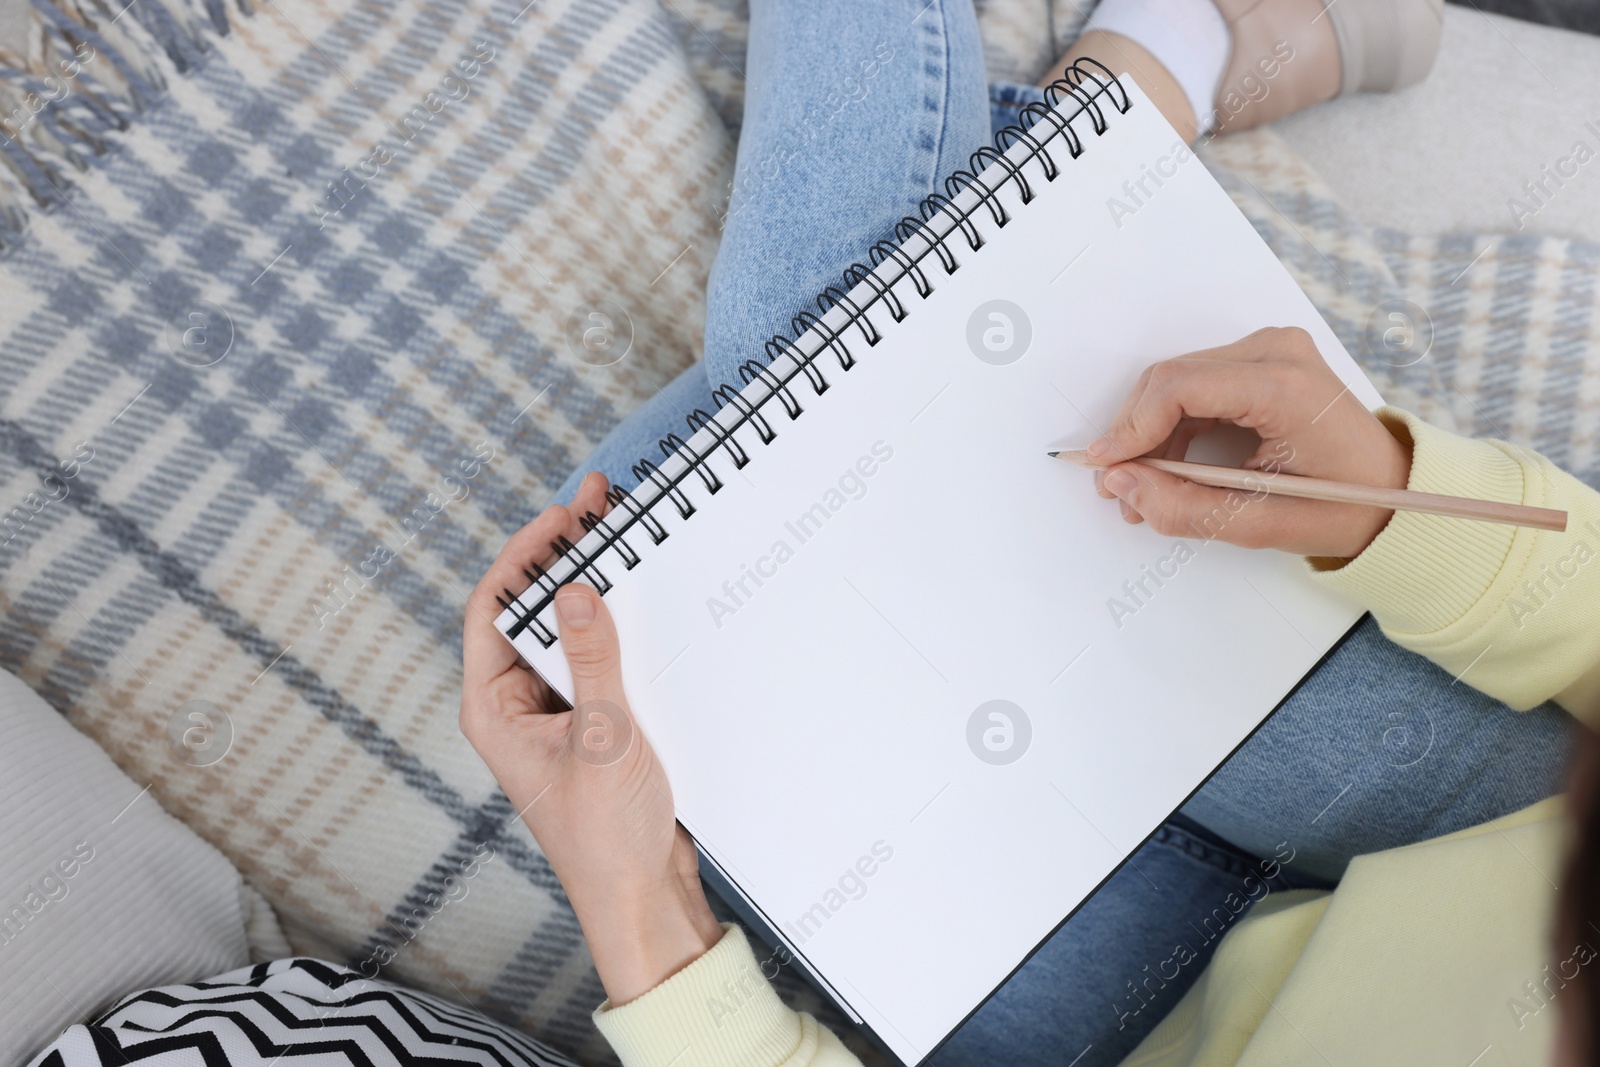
591 495
590 499
1252 348
1104 448
485 653
1177 446
589 641
1187 388
1176 507
602 726
1174 447
1255 347
1272 457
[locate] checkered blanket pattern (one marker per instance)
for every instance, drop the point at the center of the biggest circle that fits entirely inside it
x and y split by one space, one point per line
286 358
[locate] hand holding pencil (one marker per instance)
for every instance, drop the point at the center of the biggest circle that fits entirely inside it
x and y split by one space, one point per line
1324 482
1257 484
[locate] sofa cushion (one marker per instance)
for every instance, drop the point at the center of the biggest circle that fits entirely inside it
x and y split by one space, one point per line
296 1011
101 892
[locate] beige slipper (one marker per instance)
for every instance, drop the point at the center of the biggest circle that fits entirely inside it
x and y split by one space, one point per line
1290 54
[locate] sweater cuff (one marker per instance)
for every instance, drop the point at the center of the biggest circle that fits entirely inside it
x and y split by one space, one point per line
718 1010
1424 572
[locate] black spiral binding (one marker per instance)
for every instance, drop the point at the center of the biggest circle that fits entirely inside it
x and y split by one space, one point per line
627 514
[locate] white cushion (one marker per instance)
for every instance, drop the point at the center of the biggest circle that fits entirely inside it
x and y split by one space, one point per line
1445 156
101 892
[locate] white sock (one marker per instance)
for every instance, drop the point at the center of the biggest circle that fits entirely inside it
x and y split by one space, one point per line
1187 36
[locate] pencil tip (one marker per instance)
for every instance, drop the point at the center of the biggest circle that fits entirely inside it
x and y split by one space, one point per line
1052 453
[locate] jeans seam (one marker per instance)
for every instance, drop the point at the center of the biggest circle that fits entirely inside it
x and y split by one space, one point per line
1009 95
1204 852
944 101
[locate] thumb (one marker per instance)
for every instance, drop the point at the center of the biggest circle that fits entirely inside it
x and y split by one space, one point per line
1176 507
602 728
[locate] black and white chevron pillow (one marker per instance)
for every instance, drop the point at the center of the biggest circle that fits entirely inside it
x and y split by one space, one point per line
288 1012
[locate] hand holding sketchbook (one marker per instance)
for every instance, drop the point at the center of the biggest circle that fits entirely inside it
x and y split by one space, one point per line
896 672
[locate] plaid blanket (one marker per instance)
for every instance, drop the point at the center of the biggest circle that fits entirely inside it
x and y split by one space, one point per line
289 351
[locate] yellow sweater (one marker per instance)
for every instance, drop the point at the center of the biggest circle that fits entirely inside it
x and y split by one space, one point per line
1433 953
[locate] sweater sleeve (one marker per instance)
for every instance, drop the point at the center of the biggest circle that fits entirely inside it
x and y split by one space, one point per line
1515 612
719 1010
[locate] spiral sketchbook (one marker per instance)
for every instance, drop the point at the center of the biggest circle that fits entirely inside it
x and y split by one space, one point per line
917 689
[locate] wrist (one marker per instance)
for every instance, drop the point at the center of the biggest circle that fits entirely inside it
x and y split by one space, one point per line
641 936
1391 469
1423 574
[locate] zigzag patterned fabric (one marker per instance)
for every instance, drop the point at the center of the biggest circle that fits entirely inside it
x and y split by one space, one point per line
293 1011
285 357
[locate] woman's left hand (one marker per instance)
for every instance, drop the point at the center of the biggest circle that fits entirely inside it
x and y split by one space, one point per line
585 780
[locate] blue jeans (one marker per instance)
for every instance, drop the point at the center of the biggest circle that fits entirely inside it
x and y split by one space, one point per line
853 113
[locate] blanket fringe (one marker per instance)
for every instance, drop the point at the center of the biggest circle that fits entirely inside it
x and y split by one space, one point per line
89 69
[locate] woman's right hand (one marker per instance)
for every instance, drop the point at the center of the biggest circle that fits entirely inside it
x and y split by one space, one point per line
1275 383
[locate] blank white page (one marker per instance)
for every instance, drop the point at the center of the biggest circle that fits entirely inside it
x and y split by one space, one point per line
818 725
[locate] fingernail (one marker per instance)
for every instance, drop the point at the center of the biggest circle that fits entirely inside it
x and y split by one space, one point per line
1121 482
1099 446
574 607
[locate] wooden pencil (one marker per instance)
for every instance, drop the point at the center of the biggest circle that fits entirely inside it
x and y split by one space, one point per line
1253 481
